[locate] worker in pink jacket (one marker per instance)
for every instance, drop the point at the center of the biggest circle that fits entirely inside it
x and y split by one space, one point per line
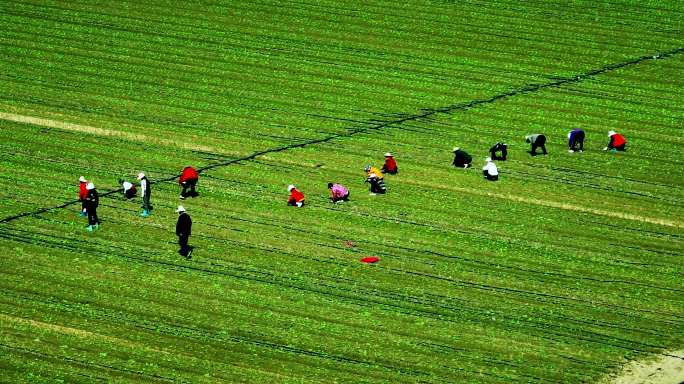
338 192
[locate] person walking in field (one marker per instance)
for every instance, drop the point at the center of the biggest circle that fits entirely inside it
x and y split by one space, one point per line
82 193
188 179
372 170
575 139
296 198
338 192
537 140
461 158
390 165
499 147
617 142
146 194
490 171
377 185
92 200
183 231
129 190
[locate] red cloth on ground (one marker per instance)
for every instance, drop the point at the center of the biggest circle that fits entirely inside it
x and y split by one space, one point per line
370 259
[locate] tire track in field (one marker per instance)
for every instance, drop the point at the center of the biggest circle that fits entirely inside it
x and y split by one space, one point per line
374 126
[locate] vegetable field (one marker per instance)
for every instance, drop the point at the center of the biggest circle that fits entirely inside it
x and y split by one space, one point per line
561 272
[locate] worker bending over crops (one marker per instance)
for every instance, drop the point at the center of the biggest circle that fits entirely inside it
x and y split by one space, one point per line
617 142
461 158
499 147
372 170
82 193
296 198
537 141
92 200
188 179
390 165
146 192
338 192
490 171
183 231
575 139
129 190
377 185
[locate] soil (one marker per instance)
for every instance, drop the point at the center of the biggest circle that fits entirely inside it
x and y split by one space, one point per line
667 368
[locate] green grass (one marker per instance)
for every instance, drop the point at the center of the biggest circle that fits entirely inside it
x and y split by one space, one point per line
560 272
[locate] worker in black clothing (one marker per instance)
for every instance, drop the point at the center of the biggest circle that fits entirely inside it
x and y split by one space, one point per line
461 158
537 141
183 230
92 200
498 147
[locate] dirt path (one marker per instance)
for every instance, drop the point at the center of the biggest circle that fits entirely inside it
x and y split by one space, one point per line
667 369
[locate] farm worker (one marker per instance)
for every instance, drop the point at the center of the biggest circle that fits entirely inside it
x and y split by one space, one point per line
617 142
146 192
390 165
129 189
499 147
188 179
296 198
461 158
377 185
490 171
372 170
338 192
82 193
537 141
183 230
575 138
92 200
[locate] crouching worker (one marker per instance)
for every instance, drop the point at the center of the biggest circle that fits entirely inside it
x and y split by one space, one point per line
390 165
296 198
575 139
490 171
372 170
183 230
92 200
129 190
338 192
499 147
377 185
188 179
617 142
82 193
537 141
461 158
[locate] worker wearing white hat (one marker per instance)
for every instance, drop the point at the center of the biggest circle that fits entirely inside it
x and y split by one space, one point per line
183 231
146 194
92 201
490 171
390 165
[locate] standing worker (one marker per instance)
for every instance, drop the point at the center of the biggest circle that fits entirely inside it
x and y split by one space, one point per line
617 142
188 179
82 193
338 192
92 200
537 141
499 147
490 171
296 198
575 138
377 185
183 230
461 158
390 165
146 193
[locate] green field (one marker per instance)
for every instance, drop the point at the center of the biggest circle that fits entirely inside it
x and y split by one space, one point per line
562 271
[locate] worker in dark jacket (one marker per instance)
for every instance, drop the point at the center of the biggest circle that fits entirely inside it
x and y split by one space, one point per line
461 158
146 194
92 200
617 142
188 179
499 147
576 138
377 185
129 190
82 193
183 231
537 141
390 165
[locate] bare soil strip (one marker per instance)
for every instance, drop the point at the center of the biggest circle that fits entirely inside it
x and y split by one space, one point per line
666 369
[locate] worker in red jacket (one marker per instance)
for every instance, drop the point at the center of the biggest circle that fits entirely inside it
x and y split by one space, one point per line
617 142
188 179
296 198
82 193
390 165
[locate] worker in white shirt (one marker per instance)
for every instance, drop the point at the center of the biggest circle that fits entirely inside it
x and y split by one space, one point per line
490 171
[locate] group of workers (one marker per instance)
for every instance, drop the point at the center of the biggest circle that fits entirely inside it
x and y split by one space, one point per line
338 193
